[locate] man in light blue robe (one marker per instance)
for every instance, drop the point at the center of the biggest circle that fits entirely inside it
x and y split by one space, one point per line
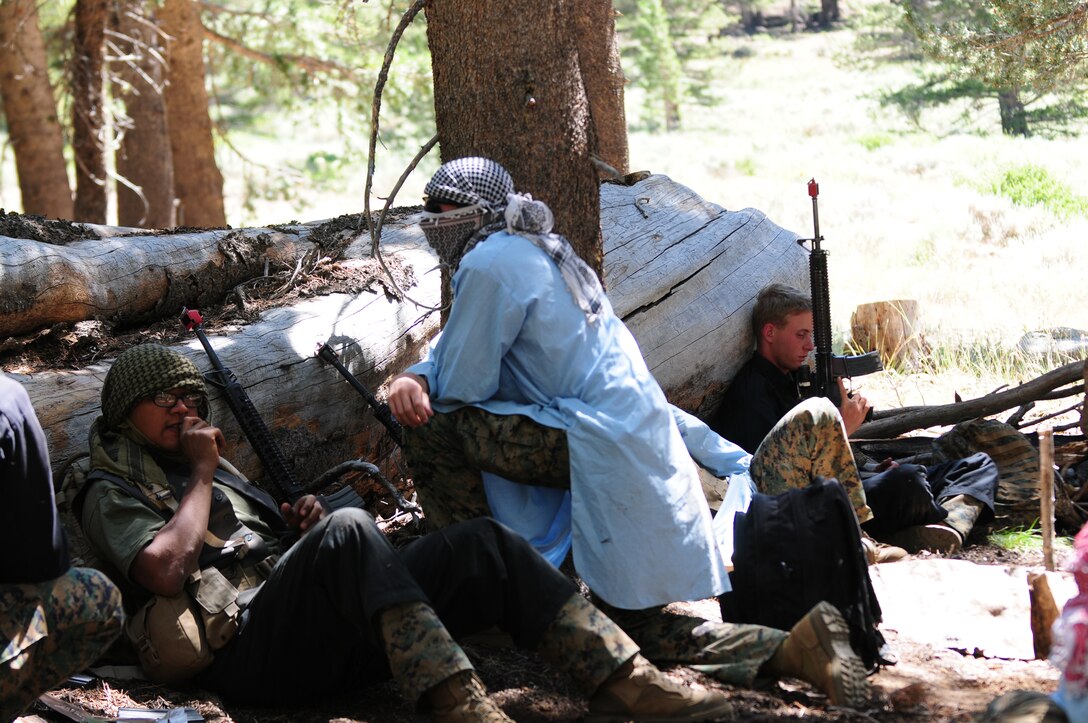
535 381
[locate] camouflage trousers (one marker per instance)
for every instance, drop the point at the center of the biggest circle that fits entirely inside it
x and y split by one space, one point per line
580 640
447 455
733 653
50 630
808 442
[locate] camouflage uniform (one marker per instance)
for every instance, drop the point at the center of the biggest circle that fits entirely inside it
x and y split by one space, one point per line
50 630
447 454
809 441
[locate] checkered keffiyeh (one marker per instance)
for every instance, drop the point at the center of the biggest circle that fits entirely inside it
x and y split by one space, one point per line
142 371
485 191
470 182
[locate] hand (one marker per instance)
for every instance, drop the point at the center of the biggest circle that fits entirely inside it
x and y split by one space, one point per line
409 399
887 464
306 512
200 442
853 409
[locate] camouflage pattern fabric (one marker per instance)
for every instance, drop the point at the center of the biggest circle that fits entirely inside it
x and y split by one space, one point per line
420 650
585 643
730 652
808 442
1016 458
447 454
51 630
963 511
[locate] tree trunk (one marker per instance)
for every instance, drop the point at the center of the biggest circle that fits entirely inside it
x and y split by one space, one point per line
198 184
145 196
31 112
1014 121
88 111
687 304
518 97
829 13
599 59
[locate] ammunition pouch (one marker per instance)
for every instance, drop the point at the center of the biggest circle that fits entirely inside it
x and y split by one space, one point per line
176 637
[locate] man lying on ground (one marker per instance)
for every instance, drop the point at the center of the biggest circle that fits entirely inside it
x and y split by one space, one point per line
916 507
538 388
54 619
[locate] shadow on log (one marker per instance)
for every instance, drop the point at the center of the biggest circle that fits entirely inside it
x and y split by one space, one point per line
682 272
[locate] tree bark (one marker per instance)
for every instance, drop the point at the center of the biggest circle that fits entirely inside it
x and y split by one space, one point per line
829 13
599 59
31 113
88 111
145 198
518 97
892 423
198 184
1014 121
687 304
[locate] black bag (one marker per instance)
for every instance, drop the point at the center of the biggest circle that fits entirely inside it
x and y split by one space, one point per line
795 549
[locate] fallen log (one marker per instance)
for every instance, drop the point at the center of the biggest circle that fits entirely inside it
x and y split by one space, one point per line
131 279
894 422
682 272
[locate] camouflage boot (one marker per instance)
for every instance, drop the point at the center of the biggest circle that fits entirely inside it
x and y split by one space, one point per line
421 653
947 536
583 641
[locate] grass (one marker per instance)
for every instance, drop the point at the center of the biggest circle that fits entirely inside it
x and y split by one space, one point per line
1031 185
1026 539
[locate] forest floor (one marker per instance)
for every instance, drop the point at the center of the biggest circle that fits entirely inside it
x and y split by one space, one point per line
928 683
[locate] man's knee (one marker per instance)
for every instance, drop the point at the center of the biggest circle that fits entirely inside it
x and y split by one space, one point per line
87 599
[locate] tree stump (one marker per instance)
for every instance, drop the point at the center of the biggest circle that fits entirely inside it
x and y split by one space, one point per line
892 328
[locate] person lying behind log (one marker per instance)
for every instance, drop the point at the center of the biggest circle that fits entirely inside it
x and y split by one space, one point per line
914 507
536 385
54 619
339 608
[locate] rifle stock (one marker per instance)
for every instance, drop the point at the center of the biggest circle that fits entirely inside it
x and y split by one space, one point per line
276 471
829 366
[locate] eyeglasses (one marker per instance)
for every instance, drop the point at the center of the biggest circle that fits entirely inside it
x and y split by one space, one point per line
167 400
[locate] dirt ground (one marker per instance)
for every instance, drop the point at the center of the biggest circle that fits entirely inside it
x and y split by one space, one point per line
927 684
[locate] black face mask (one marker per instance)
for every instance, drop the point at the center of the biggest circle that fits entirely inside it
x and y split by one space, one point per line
448 232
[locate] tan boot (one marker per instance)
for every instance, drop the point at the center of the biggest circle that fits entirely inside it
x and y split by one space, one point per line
878 552
937 537
639 691
462 698
818 651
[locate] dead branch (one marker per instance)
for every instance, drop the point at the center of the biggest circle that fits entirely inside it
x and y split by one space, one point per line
306 62
892 423
1049 416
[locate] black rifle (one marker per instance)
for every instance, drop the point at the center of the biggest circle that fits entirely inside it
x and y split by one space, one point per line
260 438
275 466
829 367
381 410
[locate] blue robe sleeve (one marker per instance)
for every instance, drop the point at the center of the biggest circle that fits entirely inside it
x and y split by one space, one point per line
716 453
